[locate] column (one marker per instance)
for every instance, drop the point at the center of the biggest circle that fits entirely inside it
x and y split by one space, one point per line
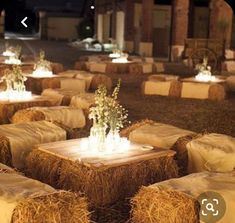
43 25
221 20
2 23
146 44
129 26
180 23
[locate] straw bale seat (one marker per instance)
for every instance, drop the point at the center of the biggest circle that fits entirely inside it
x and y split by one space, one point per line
82 65
154 133
17 140
141 68
9 108
230 81
25 200
83 101
98 67
101 79
205 152
104 180
177 200
57 68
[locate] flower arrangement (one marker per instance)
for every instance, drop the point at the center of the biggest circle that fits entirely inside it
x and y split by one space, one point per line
15 87
13 53
42 67
204 71
108 118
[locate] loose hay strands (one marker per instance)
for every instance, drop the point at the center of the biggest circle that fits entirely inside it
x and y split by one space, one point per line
156 205
182 153
126 132
108 185
59 207
5 151
43 167
27 115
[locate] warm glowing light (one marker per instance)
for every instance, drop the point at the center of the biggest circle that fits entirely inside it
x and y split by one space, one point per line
205 77
113 144
42 73
13 95
92 7
8 53
114 55
120 60
13 60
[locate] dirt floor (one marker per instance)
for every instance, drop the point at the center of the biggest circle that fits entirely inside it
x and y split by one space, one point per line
195 115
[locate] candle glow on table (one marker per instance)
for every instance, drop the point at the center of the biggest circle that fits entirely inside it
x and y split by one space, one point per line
13 95
205 77
42 73
114 55
120 60
13 60
8 53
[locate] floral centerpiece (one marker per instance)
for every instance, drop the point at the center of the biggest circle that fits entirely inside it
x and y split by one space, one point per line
204 71
14 54
108 118
15 87
42 67
122 59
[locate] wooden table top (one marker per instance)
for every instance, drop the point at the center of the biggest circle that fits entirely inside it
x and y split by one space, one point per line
69 150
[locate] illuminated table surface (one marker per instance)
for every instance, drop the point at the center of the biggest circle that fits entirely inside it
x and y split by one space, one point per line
218 80
104 179
9 107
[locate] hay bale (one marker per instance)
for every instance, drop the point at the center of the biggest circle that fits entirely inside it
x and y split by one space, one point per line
163 77
141 68
101 79
153 204
81 65
175 89
217 92
37 85
8 109
104 185
5 151
117 68
57 68
182 153
56 207
126 132
27 115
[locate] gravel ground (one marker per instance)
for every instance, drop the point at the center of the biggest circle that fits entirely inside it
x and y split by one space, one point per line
195 115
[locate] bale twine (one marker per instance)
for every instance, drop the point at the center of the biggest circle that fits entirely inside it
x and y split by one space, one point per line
182 153
5 151
175 89
126 132
217 92
101 79
27 115
105 186
57 68
159 205
59 207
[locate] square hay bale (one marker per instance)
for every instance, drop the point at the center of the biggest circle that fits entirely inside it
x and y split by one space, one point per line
103 179
83 101
57 68
101 79
163 77
88 77
71 117
25 200
154 133
9 108
162 88
82 65
118 68
37 84
17 140
73 84
98 67
177 200
206 152
60 96
230 81
141 68
212 91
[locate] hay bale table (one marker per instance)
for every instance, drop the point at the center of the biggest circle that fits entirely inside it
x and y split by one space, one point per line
105 179
118 68
177 200
9 108
17 140
141 68
206 152
192 88
37 84
26 200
